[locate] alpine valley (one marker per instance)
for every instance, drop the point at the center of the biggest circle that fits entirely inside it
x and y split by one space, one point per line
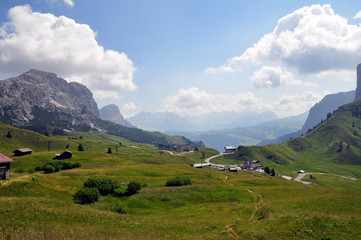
114 183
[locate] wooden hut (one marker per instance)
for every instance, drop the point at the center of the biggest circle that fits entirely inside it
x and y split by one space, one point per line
5 166
63 155
22 151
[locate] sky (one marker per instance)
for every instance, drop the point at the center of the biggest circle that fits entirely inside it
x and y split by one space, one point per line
188 57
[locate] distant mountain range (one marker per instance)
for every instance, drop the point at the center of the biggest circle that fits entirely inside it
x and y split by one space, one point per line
42 102
251 135
167 121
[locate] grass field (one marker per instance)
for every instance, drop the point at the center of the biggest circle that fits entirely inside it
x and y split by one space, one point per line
218 205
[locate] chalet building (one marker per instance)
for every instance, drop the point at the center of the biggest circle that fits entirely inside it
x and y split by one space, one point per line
22 151
182 148
5 166
253 165
230 149
64 155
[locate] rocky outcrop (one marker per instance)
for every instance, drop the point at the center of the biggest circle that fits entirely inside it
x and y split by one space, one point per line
42 98
112 113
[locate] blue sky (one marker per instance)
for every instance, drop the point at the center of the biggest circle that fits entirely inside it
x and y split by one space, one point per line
188 57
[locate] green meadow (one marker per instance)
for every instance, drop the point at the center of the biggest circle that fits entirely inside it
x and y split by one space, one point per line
218 204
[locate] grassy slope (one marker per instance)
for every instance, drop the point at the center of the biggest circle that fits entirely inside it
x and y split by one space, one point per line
253 206
333 147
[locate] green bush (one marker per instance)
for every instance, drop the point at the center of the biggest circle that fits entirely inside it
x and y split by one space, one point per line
119 207
103 184
86 195
178 181
49 168
120 191
133 188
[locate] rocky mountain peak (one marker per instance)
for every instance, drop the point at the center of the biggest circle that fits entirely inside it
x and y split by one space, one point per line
112 113
42 95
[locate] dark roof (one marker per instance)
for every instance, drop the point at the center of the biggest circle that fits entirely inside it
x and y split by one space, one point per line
24 150
5 159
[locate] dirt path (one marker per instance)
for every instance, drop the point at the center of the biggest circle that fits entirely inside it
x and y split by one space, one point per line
258 204
229 230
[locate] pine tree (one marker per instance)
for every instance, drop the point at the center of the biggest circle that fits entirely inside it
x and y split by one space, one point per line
273 173
109 151
8 135
80 148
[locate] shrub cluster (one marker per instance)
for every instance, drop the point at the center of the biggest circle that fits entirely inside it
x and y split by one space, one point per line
105 186
178 181
56 166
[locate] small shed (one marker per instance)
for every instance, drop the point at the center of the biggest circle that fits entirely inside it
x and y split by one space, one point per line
5 166
22 151
63 155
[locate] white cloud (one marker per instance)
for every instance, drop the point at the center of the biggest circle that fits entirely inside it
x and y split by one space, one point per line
357 15
311 39
129 109
195 102
70 3
339 75
60 45
274 76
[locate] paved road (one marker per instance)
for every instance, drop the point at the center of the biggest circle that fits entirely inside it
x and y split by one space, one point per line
210 158
302 175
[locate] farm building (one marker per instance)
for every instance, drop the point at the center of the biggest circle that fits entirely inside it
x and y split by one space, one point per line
230 149
182 148
63 155
22 151
5 166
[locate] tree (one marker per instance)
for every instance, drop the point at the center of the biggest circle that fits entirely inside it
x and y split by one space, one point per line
267 170
86 195
273 173
8 135
80 148
46 133
109 151
203 155
67 146
329 115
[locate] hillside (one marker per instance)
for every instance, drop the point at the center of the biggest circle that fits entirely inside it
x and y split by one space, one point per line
316 114
333 146
217 205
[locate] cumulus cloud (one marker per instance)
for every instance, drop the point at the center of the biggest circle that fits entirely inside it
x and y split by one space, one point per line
60 45
275 76
340 75
129 109
311 39
196 102
357 15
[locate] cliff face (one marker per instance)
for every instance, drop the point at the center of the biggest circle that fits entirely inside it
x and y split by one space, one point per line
328 104
358 88
42 98
112 113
